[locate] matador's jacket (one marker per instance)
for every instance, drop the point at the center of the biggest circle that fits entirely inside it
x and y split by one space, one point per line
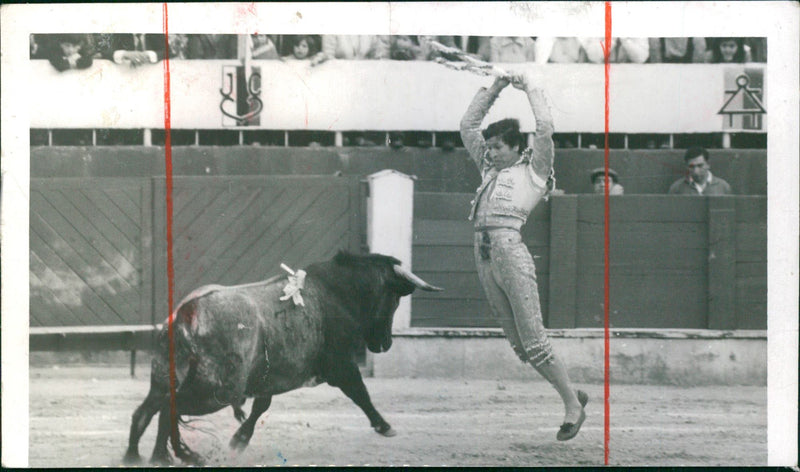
502 204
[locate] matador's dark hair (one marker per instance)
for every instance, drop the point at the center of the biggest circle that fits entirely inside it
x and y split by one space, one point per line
508 131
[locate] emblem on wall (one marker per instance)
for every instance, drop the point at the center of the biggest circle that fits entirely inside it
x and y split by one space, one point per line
744 94
241 103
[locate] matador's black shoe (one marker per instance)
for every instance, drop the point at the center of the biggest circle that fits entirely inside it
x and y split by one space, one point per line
570 430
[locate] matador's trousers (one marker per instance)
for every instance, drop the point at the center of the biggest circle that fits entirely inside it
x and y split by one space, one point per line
508 277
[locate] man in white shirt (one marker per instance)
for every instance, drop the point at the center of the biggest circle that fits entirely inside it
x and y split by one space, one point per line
699 180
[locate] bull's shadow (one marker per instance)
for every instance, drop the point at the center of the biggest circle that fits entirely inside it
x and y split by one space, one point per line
222 345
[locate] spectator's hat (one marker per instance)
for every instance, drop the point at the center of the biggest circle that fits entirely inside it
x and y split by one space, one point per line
601 171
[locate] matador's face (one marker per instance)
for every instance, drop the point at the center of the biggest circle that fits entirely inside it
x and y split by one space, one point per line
500 154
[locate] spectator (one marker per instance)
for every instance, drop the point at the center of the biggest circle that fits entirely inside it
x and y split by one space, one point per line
36 49
478 46
623 50
69 51
405 48
677 50
559 50
103 45
211 46
758 49
303 47
262 47
508 49
699 180
177 46
728 50
396 139
598 179
134 49
353 47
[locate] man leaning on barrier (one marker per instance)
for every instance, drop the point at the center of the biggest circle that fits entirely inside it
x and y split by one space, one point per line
699 180
514 180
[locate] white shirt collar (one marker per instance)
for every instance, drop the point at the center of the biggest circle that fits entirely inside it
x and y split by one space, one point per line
701 188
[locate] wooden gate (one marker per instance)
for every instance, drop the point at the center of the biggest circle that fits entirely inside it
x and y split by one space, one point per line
86 250
233 230
98 246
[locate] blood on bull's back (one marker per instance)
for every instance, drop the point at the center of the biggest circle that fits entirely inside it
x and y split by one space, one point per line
245 340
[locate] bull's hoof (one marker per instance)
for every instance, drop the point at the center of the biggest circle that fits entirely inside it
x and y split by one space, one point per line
193 459
239 441
132 458
385 430
239 414
161 460
189 457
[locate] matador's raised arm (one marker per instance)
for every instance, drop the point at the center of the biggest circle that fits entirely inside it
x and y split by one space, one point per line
471 134
543 154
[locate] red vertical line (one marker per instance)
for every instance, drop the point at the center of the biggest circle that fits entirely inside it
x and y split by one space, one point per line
173 410
606 373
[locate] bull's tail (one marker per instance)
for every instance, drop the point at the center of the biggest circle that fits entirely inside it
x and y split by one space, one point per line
192 425
178 348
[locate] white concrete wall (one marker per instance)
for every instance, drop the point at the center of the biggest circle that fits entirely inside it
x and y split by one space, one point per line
737 360
379 95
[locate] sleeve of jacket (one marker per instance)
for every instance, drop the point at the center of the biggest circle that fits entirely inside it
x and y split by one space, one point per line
728 189
329 43
543 152
157 43
471 126
59 63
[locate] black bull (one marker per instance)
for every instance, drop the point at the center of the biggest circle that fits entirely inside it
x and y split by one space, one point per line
230 343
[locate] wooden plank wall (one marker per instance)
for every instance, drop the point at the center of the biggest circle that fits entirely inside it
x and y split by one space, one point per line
675 262
642 171
750 298
86 250
657 250
98 246
98 250
233 230
443 255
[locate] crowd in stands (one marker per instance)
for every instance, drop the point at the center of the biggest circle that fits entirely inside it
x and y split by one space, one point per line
77 51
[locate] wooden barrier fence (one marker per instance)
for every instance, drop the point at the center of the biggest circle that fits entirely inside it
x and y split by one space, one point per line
98 246
98 253
675 262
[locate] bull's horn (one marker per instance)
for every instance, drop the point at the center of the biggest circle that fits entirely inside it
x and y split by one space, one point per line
408 275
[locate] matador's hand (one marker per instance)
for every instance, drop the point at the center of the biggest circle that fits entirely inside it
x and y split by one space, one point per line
522 81
500 83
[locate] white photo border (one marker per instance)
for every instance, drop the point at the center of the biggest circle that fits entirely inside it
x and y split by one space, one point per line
778 21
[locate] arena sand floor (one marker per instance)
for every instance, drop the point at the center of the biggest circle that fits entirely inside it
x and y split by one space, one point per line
80 416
